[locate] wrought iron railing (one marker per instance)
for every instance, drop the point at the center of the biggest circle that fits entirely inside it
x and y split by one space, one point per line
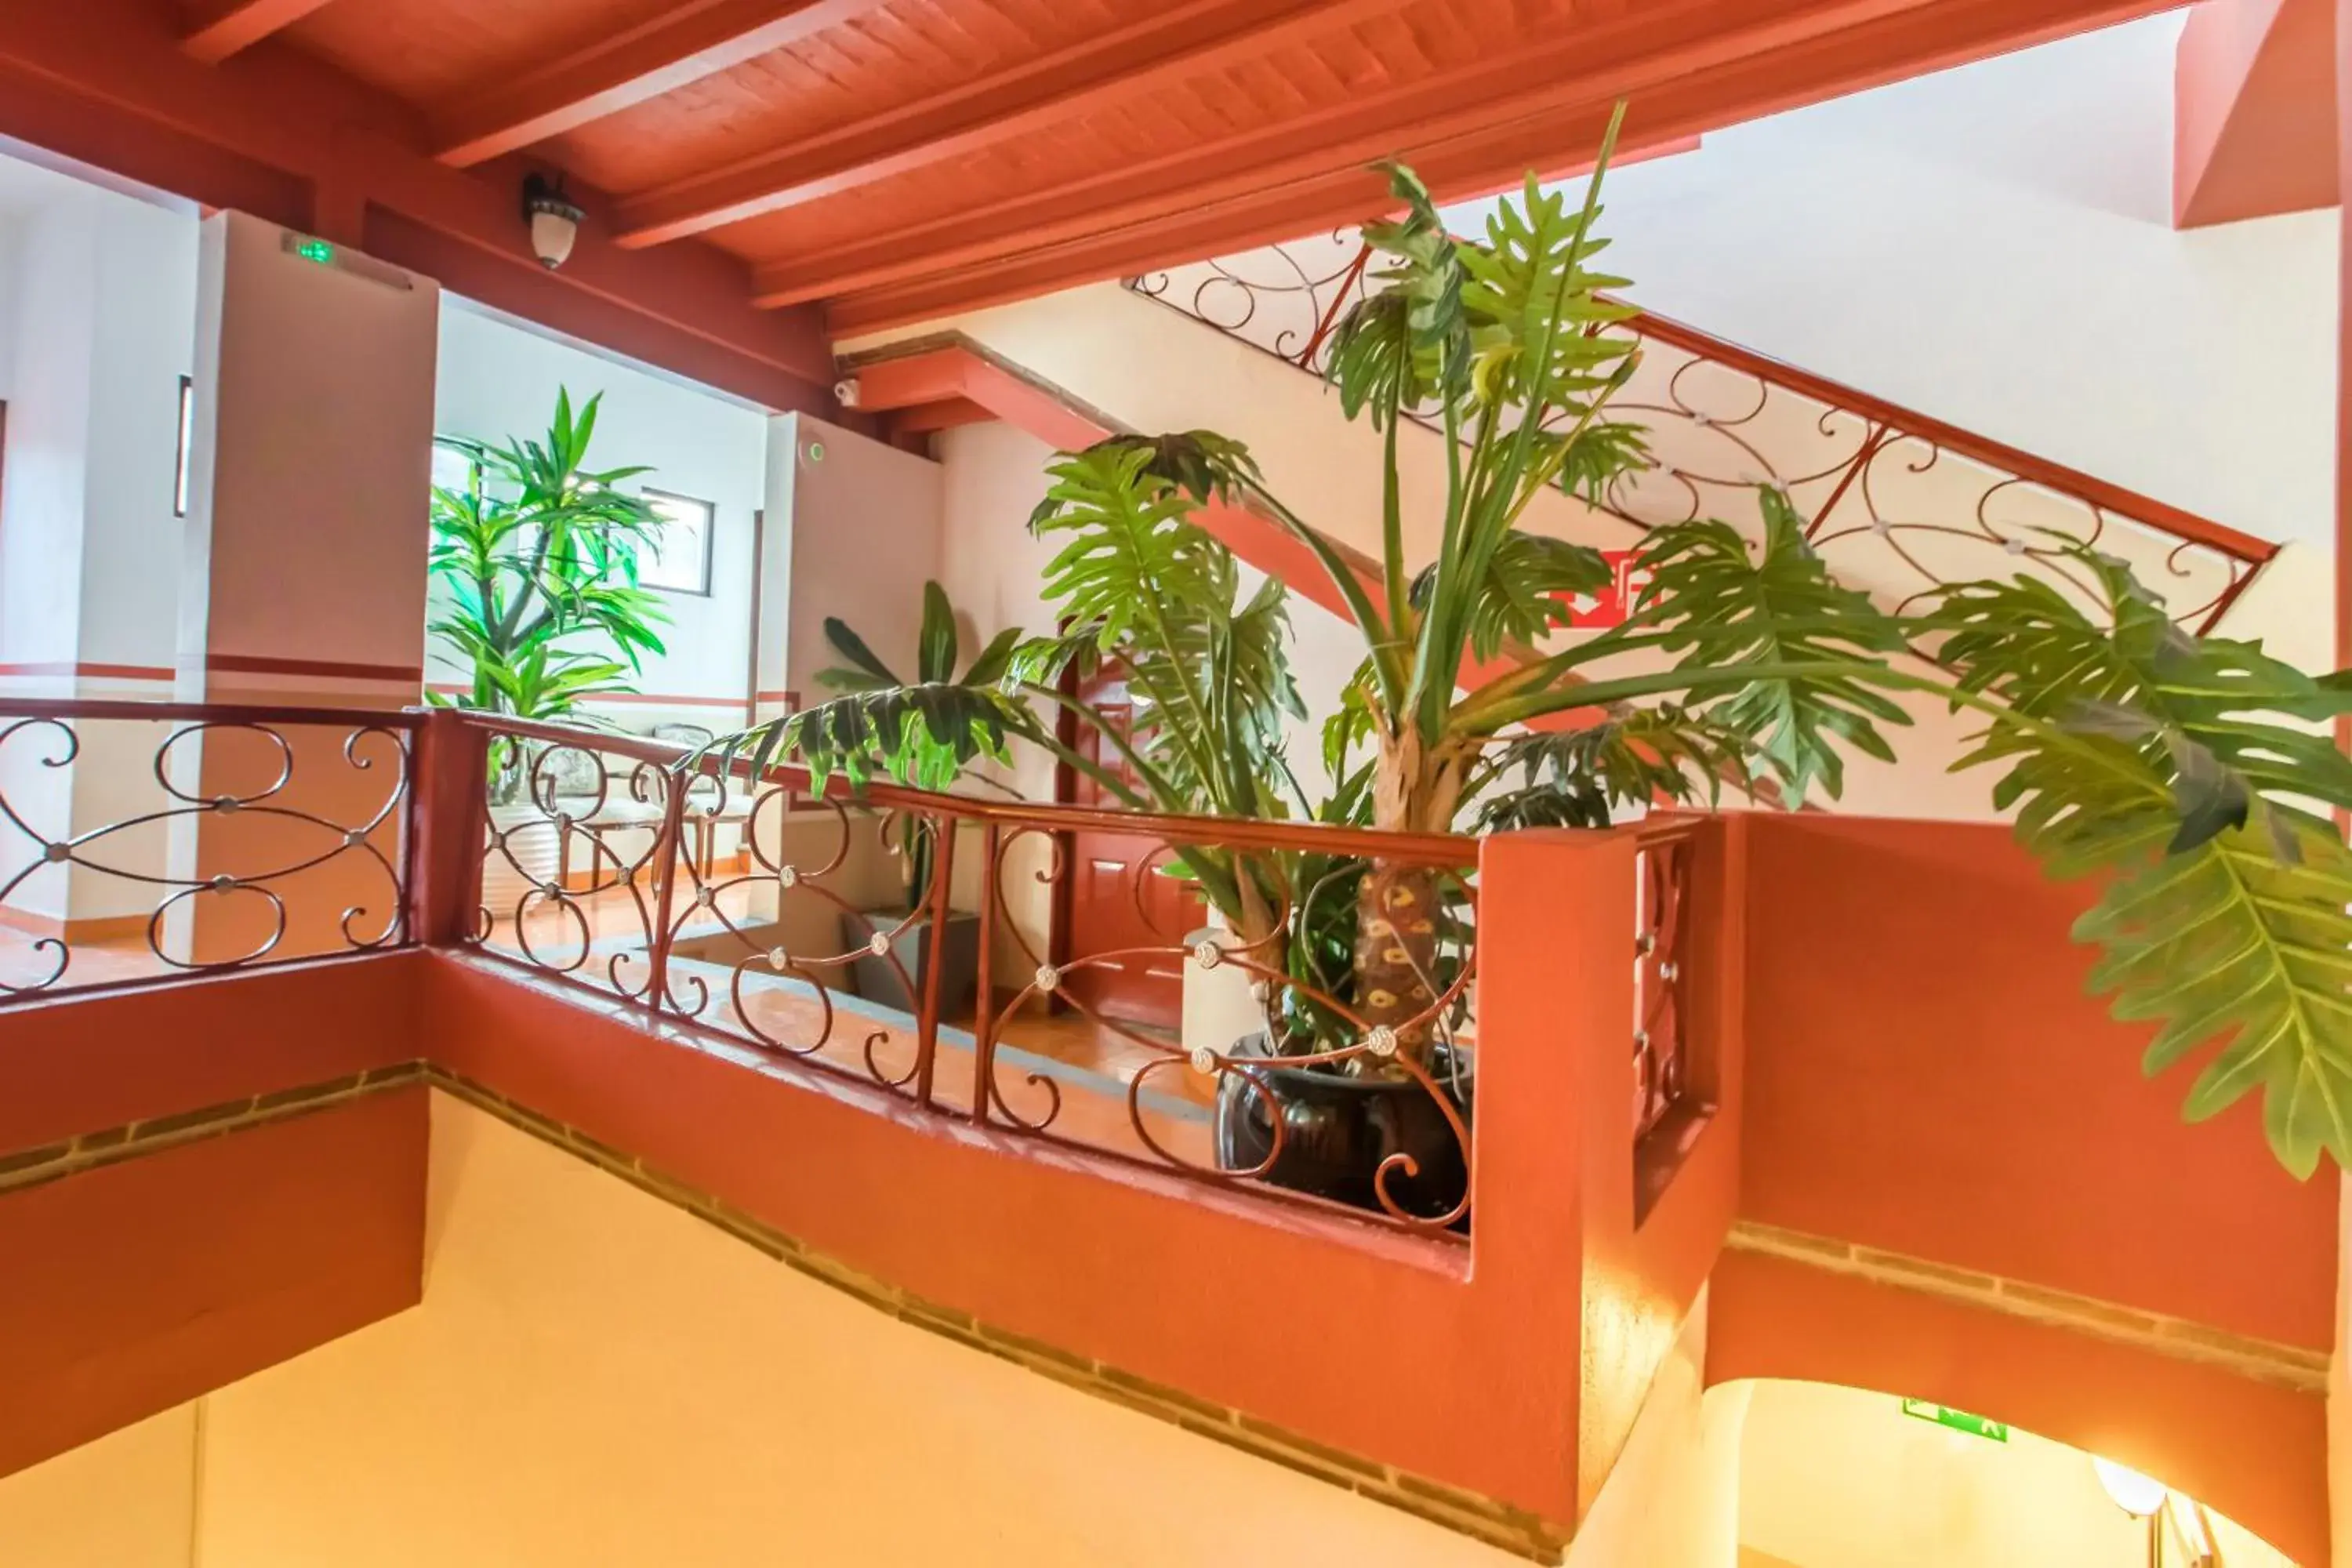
1898 503
775 914
143 841
1662 894
140 842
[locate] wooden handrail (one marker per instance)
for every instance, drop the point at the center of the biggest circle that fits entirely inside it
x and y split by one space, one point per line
1232 832
1899 420
206 712
1893 420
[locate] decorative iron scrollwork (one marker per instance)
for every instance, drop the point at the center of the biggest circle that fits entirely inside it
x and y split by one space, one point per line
1893 504
258 795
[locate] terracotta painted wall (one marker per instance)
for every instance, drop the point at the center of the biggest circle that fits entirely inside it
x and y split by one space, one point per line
74 1065
1928 1075
163 1277
597 1378
1146 1271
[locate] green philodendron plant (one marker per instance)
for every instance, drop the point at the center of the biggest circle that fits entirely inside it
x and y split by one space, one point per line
539 556
850 727
2181 772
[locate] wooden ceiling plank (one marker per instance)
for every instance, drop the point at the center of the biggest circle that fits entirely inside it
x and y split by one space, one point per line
1590 65
221 27
681 45
1229 216
1185 39
107 82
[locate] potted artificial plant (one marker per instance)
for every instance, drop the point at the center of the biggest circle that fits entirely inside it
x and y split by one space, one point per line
2179 770
538 558
913 945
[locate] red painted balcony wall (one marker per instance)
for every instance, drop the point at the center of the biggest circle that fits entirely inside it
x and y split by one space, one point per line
162 1277
1927 1074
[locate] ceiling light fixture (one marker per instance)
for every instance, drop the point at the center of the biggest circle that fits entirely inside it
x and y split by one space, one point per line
554 220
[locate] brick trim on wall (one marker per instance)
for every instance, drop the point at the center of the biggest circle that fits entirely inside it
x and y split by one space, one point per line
1496 1524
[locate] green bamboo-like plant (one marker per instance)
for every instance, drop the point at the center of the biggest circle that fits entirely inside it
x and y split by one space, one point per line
538 555
2172 767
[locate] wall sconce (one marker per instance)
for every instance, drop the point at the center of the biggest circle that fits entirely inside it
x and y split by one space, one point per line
2137 1495
2142 1497
554 220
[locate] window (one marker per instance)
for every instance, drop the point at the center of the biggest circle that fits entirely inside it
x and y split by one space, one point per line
187 447
680 558
453 471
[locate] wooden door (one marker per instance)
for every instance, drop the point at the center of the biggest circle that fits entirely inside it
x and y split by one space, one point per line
1115 901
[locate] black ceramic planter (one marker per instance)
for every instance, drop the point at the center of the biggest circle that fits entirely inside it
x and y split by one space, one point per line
1336 1130
877 979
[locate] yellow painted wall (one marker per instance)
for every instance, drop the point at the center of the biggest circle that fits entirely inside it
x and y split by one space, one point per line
1835 1477
1672 1500
597 1380
125 1501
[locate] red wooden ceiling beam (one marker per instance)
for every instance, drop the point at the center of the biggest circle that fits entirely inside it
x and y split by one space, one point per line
2254 111
1594 64
926 417
1116 65
1245 192
219 28
911 379
682 44
283 136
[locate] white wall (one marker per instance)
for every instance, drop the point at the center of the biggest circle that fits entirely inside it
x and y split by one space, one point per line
863 537
144 340
99 293
1991 245
1837 1478
1994 246
98 320
499 378
1672 1500
43 504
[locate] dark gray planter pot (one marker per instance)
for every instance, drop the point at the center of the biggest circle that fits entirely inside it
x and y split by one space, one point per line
878 981
1338 1131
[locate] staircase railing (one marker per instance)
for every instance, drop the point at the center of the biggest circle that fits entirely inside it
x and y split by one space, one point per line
1899 503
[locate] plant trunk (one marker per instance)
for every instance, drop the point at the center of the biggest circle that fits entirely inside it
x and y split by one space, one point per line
1396 954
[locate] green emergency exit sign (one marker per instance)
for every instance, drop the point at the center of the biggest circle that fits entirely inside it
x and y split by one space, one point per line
1958 1420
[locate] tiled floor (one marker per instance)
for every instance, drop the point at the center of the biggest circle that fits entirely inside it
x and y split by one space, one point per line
26 961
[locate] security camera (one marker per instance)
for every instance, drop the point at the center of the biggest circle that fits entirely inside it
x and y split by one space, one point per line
844 392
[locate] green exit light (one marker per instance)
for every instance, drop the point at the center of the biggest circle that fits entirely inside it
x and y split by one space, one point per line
1958 1420
317 250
